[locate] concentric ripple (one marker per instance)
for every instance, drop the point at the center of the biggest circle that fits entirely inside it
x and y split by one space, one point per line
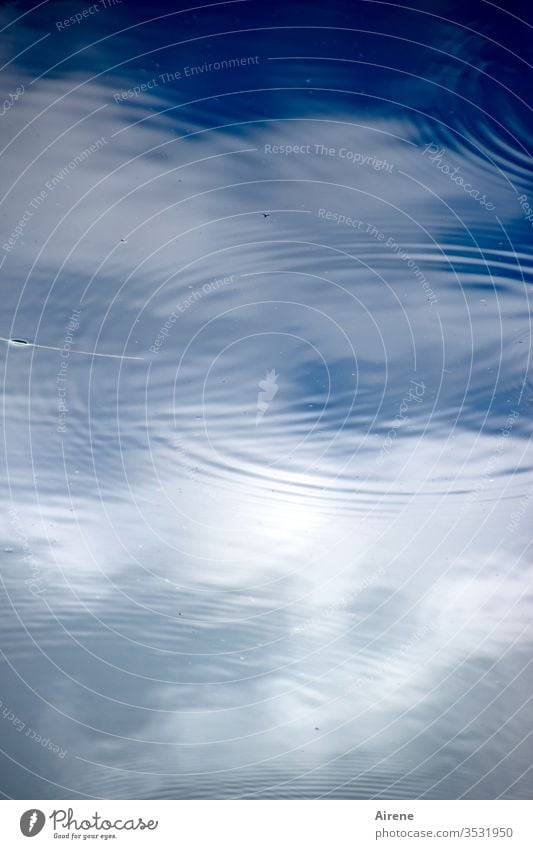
266 344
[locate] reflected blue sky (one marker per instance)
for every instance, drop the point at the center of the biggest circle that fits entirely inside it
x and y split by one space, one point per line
267 461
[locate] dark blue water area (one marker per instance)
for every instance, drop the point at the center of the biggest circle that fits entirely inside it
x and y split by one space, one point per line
266 453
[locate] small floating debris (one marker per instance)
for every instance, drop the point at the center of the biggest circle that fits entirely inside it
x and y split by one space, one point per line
266 214
71 350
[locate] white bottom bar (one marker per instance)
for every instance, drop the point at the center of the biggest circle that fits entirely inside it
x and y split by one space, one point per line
269 824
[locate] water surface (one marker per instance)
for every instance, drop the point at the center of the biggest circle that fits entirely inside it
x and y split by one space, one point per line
269 535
